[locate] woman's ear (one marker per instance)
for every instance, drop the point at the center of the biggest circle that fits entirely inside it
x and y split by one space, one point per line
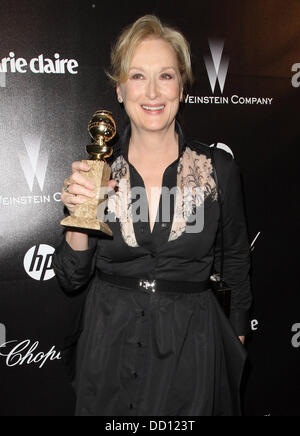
119 94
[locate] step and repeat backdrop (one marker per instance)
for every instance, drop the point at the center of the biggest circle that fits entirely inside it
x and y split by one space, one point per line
246 98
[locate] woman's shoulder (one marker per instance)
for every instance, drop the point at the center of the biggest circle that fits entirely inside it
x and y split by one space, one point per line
221 157
224 162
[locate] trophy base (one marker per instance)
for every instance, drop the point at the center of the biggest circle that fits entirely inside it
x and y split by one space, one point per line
86 223
85 215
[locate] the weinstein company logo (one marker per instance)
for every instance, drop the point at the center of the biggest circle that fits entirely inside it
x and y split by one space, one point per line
217 67
217 64
33 161
38 262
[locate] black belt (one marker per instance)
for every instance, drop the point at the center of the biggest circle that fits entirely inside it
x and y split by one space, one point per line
152 286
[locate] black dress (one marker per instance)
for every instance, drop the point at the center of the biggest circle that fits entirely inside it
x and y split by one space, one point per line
163 354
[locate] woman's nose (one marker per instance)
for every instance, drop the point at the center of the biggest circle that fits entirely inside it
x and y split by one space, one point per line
152 90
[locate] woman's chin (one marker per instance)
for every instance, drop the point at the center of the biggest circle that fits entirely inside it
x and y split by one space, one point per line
155 125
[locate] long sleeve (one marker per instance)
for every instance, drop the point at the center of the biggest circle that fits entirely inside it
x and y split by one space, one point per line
74 269
236 247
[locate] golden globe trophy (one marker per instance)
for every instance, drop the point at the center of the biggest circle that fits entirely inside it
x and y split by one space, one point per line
102 128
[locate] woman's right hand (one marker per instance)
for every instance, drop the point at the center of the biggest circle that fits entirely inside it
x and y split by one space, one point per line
80 189
77 189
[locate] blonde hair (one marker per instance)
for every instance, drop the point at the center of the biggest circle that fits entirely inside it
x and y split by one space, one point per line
145 27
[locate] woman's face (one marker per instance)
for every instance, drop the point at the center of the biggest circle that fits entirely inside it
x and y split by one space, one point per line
153 90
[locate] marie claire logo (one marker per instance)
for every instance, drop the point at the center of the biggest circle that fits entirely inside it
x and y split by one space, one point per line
38 65
25 353
217 65
296 76
38 262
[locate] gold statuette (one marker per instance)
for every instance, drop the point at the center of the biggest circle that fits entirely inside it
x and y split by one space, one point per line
102 128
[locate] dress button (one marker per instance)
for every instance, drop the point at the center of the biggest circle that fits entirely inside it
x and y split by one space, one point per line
131 406
134 374
142 230
142 313
139 344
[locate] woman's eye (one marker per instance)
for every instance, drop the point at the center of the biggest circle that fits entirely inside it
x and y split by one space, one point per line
166 76
137 76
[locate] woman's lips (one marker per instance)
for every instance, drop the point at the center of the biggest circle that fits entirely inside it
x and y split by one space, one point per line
153 110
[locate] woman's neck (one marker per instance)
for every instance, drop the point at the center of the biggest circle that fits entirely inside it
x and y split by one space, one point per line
153 145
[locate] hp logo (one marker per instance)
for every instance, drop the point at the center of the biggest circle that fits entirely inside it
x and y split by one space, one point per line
38 262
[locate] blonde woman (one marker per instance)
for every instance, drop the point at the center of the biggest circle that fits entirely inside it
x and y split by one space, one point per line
154 340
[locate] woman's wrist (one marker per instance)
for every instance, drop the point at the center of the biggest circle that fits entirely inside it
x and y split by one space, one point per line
78 241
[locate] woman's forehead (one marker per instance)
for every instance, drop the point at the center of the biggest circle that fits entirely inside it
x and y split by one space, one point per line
154 50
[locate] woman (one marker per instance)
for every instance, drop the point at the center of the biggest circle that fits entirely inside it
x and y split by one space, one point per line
155 341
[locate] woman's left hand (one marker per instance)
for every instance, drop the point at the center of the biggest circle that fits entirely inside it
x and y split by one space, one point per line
242 339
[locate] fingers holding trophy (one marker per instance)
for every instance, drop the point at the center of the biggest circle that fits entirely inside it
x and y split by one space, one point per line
102 129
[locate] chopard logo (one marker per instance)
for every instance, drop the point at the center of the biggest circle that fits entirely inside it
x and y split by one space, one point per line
217 65
25 353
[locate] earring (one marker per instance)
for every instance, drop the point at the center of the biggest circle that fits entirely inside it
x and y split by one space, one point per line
120 100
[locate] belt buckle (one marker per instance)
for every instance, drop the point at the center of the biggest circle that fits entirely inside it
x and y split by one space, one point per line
148 286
